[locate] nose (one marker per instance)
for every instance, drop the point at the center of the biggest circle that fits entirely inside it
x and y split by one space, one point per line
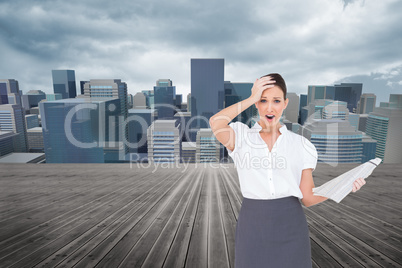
269 107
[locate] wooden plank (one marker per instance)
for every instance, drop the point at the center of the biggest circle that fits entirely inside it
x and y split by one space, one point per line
77 248
321 258
178 251
197 254
168 207
111 251
359 250
60 238
228 218
30 241
331 247
366 225
82 207
159 251
217 247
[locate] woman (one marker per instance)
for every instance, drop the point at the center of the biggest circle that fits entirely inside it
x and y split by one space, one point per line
275 169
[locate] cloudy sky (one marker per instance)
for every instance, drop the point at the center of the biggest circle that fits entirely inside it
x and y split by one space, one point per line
140 41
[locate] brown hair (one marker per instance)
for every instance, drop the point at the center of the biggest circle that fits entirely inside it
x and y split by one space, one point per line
279 81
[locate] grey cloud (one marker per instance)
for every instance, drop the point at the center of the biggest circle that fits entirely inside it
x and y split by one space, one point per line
309 41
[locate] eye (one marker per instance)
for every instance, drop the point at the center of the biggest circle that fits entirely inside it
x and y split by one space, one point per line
277 101
263 101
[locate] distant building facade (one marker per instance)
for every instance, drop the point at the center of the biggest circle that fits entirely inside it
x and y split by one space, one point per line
208 147
12 118
366 104
164 143
64 83
207 89
384 125
336 140
81 130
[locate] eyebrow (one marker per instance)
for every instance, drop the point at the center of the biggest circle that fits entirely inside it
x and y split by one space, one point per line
274 97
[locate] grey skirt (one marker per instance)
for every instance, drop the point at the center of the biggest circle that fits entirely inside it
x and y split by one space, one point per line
272 233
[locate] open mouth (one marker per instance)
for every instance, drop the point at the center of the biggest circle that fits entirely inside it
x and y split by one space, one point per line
270 116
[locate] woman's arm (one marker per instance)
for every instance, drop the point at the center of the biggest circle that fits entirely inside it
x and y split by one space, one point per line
219 122
307 185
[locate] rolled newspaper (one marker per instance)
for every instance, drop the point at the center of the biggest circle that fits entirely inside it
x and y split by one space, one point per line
338 188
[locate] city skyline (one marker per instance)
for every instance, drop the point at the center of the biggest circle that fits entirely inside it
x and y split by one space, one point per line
325 42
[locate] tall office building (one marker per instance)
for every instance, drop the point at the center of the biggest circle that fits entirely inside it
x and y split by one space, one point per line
139 101
235 92
164 83
335 110
31 120
369 148
52 97
82 83
189 102
64 83
81 130
35 140
33 97
336 140
366 104
108 88
150 100
351 96
347 92
138 122
10 92
12 118
111 88
164 98
291 112
354 120
384 125
188 152
207 89
208 147
7 142
178 101
164 143
314 110
302 113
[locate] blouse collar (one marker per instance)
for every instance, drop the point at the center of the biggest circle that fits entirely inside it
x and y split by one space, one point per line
282 129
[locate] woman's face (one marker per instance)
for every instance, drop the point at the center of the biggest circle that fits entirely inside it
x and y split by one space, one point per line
271 106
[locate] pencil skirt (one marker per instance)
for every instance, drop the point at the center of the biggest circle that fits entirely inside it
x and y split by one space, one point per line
272 233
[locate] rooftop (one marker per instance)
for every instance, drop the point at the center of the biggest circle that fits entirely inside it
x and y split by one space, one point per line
176 216
22 158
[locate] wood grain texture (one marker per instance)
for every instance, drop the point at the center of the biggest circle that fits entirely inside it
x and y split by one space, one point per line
117 215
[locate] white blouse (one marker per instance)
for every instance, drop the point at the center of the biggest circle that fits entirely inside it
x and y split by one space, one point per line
270 175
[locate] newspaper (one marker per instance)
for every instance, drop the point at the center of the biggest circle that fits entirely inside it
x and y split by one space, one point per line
338 188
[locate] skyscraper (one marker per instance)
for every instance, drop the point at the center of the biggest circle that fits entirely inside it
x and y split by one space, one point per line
292 110
208 147
164 98
347 92
235 92
336 140
34 97
7 142
64 83
384 125
12 118
207 89
366 104
80 130
10 92
111 88
351 98
164 143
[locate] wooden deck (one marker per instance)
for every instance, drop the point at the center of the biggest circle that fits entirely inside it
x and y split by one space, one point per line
114 215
